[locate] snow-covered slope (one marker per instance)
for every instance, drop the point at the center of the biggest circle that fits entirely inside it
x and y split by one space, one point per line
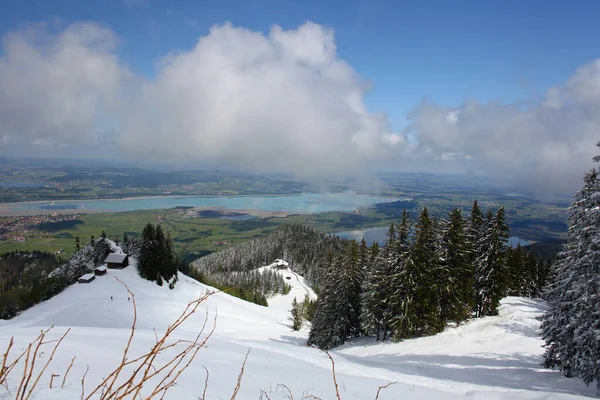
496 357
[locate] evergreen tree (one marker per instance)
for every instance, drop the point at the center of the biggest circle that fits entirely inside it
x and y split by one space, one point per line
456 277
296 316
490 268
570 326
424 270
355 276
77 244
103 235
308 308
147 259
332 323
377 314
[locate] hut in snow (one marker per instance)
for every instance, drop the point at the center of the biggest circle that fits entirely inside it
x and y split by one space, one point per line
87 278
117 261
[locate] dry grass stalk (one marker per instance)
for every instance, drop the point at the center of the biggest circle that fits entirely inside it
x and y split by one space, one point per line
239 380
383 387
83 381
282 386
263 393
52 379
337 392
67 373
5 369
205 384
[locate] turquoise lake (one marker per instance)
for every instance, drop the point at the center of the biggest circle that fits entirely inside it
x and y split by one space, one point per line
304 203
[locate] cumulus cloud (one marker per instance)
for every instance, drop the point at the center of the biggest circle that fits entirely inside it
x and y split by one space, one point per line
54 87
545 147
279 102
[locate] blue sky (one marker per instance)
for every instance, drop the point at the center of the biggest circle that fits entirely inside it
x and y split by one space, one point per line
443 51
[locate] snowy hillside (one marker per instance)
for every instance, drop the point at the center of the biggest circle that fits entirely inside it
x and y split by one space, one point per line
494 357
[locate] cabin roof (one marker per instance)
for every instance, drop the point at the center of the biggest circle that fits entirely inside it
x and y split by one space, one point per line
115 258
101 268
87 276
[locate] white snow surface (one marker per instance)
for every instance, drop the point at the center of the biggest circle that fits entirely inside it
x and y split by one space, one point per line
490 358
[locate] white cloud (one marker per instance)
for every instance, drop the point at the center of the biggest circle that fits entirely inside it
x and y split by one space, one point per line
284 102
54 87
544 148
280 102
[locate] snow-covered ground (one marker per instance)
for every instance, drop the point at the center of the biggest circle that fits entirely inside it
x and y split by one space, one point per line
491 358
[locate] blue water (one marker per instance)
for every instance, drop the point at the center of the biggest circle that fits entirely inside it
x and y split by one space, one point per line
379 235
305 203
20 184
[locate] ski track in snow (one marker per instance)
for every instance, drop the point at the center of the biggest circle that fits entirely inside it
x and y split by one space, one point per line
490 358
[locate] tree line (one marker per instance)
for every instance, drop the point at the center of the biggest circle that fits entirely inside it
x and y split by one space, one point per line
428 273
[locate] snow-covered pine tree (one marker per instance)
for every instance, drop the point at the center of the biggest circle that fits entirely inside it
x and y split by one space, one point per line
456 276
331 324
353 272
297 315
147 258
376 311
423 270
570 326
490 268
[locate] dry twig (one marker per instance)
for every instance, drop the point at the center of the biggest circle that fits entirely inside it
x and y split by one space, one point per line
384 387
205 383
239 380
337 392
67 373
83 382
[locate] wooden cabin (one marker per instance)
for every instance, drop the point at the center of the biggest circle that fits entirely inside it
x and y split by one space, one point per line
117 261
100 270
87 278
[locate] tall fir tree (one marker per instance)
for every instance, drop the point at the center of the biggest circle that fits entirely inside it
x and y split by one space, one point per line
570 326
456 277
490 269
377 315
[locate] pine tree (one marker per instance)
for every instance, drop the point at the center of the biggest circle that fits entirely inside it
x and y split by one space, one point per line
331 324
377 314
424 270
103 235
490 267
456 277
296 316
147 259
77 244
570 326
355 275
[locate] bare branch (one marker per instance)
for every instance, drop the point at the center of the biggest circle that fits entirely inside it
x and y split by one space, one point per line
337 392
239 380
83 382
67 373
205 383
383 387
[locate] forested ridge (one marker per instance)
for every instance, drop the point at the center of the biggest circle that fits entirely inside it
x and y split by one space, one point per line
307 251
